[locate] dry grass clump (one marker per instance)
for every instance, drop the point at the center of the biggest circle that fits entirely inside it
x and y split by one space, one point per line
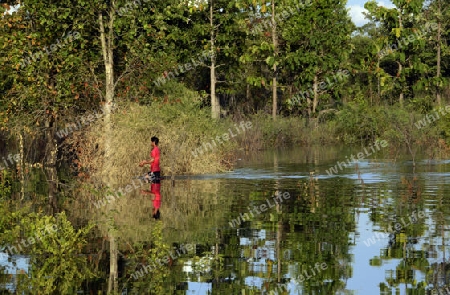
181 127
179 134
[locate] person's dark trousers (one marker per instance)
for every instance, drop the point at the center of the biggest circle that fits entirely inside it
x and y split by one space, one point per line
155 176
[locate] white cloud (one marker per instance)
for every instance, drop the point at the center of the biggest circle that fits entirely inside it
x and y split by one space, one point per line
356 13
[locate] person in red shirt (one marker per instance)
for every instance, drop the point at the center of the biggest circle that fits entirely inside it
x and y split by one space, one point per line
155 171
155 193
155 189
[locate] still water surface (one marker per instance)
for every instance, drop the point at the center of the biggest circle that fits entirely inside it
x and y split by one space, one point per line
378 227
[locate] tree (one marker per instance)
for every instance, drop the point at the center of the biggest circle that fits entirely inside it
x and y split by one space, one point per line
365 60
263 51
275 53
217 37
438 11
317 43
402 55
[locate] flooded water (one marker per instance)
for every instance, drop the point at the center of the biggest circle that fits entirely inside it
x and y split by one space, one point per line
279 223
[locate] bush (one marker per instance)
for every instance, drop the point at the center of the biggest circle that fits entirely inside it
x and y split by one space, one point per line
5 184
360 123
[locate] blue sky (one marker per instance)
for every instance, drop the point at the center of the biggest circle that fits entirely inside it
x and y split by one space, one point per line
357 7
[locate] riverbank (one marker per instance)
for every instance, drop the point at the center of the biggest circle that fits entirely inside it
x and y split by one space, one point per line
192 143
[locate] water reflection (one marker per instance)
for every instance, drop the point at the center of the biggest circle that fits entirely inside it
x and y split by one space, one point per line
334 235
155 194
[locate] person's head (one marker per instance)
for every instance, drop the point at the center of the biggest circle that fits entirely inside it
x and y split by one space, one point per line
154 140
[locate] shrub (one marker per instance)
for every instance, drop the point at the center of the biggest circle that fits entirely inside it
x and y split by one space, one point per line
360 123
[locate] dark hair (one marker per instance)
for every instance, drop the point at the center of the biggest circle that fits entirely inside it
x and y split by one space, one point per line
155 140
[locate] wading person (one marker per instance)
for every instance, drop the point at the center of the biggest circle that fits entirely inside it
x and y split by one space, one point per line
155 193
155 171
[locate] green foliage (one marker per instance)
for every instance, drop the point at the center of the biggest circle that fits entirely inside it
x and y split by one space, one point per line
176 103
285 131
267 133
149 256
401 130
315 49
64 267
57 265
443 127
422 105
5 184
10 216
407 47
40 55
57 235
360 123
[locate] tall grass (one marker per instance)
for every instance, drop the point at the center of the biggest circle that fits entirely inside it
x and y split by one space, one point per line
181 125
285 132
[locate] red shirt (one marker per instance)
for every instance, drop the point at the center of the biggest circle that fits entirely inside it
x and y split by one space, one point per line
155 188
154 167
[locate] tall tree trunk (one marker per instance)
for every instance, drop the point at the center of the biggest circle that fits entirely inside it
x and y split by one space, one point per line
52 179
247 98
438 65
279 253
113 281
280 222
309 108
401 96
378 82
275 51
400 24
50 164
22 166
215 104
316 94
107 41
